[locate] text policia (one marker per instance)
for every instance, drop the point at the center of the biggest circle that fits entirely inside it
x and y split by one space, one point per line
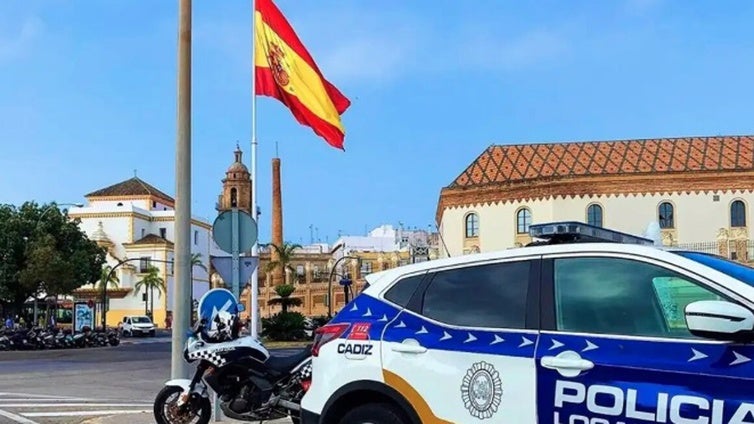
576 403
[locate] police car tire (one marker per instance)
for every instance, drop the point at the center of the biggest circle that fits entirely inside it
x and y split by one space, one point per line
374 413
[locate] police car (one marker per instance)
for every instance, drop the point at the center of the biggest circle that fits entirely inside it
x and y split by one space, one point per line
569 330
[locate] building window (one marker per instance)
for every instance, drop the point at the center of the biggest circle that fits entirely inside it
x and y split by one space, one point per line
196 237
737 214
666 215
154 204
366 268
164 233
523 221
144 263
233 198
143 232
472 225
594 215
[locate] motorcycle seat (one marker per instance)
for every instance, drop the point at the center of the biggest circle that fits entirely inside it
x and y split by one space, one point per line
284 363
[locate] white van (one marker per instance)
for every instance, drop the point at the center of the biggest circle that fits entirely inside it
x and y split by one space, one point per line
137 325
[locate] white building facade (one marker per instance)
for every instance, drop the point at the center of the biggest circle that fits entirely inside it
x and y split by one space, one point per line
135 221
698 190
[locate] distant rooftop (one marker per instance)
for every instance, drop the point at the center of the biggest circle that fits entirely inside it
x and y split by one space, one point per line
131 187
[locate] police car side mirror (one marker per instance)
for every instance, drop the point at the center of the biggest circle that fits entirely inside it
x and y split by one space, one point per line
720 320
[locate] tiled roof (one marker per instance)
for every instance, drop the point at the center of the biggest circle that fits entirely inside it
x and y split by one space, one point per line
501 164
130 187
151 239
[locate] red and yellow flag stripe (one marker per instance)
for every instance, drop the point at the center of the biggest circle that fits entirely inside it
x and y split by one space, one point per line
285 70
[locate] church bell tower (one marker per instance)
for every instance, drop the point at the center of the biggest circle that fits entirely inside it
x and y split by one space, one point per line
236 186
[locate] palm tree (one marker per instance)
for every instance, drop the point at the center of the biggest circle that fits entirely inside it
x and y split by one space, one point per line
284 291
111 280
150 282
284 256
106 279
196 260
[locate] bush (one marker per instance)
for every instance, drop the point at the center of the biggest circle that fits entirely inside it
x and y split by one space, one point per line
320 321
284 326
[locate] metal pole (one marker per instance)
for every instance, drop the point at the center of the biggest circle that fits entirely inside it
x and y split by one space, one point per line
112 271
179 368
329 282
254 288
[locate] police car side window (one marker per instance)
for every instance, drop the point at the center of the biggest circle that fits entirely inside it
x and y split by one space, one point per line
492 296
401 292
623 297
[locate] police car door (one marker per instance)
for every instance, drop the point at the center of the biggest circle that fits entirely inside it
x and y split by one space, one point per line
615 348
463 349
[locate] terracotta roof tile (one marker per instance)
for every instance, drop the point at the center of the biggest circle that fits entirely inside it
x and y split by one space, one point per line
501 164
151 239
130 187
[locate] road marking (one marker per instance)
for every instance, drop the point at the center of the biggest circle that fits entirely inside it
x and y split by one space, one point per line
83 413
16 418
35 396
4 401
71 405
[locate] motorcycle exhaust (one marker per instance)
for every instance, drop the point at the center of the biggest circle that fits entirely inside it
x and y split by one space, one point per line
289 405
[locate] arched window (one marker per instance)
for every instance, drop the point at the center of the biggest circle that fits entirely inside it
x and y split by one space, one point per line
594 215
665 215
472 225
523 220
737 214
233 198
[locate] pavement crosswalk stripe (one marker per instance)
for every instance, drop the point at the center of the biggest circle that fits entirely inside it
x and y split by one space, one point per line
71 405
82 413
35 396
16 400
16 418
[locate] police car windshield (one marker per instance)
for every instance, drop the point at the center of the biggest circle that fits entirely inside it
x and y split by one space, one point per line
734 269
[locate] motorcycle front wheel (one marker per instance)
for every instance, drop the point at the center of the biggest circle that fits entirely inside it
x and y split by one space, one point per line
166 410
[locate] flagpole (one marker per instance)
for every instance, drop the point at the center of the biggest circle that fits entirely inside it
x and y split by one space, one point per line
254 286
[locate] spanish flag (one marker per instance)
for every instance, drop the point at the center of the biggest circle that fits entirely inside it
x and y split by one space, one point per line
285 70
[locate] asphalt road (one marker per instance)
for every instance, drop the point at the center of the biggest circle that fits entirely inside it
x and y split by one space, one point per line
85 385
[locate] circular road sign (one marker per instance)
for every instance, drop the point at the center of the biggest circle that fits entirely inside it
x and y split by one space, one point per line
222 231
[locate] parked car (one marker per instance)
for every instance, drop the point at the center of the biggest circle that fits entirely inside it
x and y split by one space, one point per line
566 330
137 325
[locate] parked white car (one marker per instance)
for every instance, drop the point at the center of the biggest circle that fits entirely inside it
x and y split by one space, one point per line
137 325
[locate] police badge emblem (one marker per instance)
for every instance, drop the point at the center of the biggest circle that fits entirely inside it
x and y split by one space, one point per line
482 390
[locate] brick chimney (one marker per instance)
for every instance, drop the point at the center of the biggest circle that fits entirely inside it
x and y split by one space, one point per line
277 219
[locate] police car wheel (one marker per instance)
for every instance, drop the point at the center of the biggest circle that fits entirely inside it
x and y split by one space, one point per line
374 413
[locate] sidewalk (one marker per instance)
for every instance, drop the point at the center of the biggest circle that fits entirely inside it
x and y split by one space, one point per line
149 419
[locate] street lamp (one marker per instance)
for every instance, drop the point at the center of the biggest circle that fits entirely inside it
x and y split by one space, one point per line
50 207
329 282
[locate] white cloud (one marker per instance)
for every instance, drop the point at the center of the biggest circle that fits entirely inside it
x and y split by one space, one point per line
353 46
19 43
499 53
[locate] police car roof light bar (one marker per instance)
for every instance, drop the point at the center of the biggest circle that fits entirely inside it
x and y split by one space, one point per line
579 232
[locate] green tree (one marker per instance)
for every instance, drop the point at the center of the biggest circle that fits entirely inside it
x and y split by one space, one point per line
42 249
284 257
284 299
151 282
111 280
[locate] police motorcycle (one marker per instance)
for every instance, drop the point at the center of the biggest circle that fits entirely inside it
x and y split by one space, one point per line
251 384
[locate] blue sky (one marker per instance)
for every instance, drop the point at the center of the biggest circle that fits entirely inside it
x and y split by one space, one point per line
87 94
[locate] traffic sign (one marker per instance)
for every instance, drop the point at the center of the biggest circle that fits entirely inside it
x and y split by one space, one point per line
217 300
246 233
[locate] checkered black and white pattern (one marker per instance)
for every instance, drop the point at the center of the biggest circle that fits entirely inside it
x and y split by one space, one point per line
306 371
209 356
